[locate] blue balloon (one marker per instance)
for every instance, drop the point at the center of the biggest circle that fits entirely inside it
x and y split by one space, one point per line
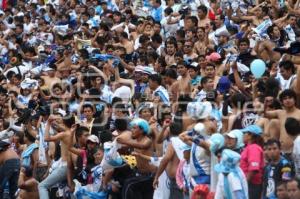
258 68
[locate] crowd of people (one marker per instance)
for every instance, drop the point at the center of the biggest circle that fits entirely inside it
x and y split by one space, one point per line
162 99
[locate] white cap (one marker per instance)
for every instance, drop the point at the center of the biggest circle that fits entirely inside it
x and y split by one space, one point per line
94 139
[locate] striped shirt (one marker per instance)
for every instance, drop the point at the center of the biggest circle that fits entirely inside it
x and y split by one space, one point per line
162 93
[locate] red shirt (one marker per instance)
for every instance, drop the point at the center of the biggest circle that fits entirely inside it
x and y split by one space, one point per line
252 159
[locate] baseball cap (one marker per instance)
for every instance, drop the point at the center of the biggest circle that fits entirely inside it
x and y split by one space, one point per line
213 57
93 139
253 129
229 161
223 33
237 134
224 84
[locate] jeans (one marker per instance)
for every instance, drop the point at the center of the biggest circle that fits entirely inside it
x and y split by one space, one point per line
9 172
58 175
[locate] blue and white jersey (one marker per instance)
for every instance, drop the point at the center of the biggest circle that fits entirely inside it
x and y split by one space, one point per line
163 94
199 166
107 94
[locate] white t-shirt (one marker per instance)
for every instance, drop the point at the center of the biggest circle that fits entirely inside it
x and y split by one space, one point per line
296 155
123 92
235 184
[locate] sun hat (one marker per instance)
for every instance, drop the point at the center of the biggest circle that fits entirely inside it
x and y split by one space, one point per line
229 161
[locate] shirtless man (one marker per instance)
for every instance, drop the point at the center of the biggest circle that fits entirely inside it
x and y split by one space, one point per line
288 99
183 85
64 136
170 161
28 185
139 186
128 45
49 78
9 170
210 71
203 21
170 54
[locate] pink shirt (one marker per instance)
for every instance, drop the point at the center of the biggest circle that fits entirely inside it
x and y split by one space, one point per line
252 159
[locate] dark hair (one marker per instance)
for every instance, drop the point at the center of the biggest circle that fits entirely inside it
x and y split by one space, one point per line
204 80
273 141
194 20
158 1
287 93
87 106
244 40
168 11
203 8
287 65
156 38
121 107
121 124
257 139
156 78
211 64
69 120
292 126
143 39
124 34
175 128
80 130
171 73
57 85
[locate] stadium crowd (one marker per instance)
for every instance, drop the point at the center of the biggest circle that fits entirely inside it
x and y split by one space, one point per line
142 99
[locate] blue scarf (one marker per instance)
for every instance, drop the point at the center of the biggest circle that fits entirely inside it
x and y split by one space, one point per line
26 155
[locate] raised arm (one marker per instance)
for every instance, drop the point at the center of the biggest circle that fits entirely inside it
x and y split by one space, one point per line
71 148
163 134
52 138
99 72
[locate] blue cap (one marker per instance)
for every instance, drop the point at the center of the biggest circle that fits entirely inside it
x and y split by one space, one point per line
224 84
217 142
229 161
254 129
